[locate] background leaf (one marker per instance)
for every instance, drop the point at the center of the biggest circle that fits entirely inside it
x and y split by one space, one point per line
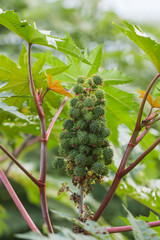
149 46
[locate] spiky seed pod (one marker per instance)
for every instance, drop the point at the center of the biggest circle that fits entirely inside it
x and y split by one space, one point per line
95 127
99 94
80 97
74 113
71 133
90 82
105 143
98 168
84 143
108 161
58 163
100 103
108 154
78 89
80 160
73 102
80 80
74 141
98 112
105 132
73 154
89 102
88 117
90 160
97 151
69 172
63 135
105 170
82 137
68 124
80 105
84 149
92 139
97 79
81 124
79 171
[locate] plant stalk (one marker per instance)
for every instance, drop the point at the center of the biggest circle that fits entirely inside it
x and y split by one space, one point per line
81 202
20 165
18 203
43 160
128 228
126 155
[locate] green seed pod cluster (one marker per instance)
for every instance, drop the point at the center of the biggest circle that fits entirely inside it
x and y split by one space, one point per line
84 138
58 163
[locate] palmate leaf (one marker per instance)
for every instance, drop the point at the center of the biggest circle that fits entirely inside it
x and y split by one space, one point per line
32 35
149 46
141 230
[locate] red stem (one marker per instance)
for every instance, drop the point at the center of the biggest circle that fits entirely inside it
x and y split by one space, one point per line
43 161
19 165
18 203
139 159
29 141
57 115
128 228
126 155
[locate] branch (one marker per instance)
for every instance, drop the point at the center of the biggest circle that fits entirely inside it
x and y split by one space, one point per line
31 83
142 135
128 228
126 155
18 203
38 183
57 115
140 158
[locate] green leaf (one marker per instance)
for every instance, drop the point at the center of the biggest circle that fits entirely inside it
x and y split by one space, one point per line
114 77
149 46
32 35
12 110
38 65
55 71
23 57
141 230
89 226
120 109
95 57
6 94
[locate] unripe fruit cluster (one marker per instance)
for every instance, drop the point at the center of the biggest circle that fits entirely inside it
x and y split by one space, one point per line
84 138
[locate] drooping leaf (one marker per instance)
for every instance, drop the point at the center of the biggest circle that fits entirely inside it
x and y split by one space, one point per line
32 35
149 46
